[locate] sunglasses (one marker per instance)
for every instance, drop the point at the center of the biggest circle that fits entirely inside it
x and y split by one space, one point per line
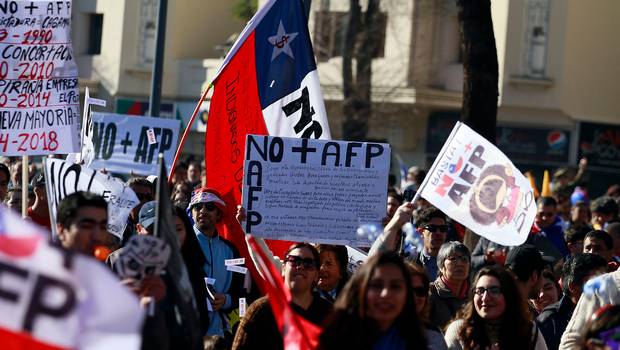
144 197
295 261
420 292
435 228
494 291
209 206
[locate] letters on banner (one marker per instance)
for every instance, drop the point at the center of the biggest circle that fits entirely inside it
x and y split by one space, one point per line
125 142
54 299
63 178
477 185
313 190
38 79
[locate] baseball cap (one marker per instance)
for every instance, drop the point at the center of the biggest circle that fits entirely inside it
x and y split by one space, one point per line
207 195
524 259
146 217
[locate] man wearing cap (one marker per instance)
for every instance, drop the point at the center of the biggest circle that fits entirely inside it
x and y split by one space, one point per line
207 208
39 212
526 263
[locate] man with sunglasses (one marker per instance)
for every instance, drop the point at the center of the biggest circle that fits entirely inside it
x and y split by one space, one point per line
207 208
431 224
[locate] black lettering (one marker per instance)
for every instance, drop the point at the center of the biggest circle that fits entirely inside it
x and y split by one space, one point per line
457 191
10 295
307 111
153 147
327 153
370 154
261 151
109 141
350 153
141 150
255 169
304 149
251 197
276 157
166 140
467 174
476 157
38 307
254 218
73 168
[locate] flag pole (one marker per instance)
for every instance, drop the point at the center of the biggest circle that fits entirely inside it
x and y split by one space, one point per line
25 186
186 132
160 164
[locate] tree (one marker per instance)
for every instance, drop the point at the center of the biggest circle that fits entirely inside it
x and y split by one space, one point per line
480 67
245 9
358 44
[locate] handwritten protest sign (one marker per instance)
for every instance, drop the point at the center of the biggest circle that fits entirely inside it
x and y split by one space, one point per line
121 142
38 79
313 190
53 299
478 186
63 178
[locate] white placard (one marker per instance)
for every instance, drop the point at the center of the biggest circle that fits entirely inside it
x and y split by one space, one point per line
477 185
122 144
63 178
236 268
239 261
50 296
242 307
313 190
39 102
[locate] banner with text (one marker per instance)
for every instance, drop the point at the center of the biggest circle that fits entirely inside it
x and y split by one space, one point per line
63 178
39 107
124 143
53 299
314 190
477 185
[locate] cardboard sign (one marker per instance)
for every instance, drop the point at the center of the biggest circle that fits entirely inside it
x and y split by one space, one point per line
478 186
313 190
53 299
122 142
39 106
63 178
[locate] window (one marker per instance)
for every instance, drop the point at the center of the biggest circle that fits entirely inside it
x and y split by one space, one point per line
329 31
534 59
95 31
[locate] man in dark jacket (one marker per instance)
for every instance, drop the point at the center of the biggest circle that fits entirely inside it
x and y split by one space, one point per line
553 320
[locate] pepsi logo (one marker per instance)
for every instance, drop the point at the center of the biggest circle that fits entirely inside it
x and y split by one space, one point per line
557 140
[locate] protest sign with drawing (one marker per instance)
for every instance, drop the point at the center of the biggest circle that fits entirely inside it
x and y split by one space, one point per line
63 178
121 142
313 190
54 299
477 185
38 79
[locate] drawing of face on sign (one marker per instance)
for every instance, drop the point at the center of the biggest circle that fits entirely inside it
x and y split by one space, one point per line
143 255
496 196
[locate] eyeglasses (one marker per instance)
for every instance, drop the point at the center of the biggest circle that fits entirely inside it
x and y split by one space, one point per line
209 206
461 258
420 292
295 261
435 228
493 291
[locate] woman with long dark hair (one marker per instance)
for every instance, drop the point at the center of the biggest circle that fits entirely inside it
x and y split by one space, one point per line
376 309
496 316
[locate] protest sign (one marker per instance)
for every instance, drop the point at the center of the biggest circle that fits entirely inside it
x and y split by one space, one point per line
121 142
478 186
53 299
313 190
38 79
142 256
63 178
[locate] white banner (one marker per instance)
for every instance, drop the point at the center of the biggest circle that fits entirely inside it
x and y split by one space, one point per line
314 190
474 183
51 298
38 79
63 178
121 142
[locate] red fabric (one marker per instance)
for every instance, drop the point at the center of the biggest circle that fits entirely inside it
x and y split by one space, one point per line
18 247
298 334
40 220
235 111
18 341
462 294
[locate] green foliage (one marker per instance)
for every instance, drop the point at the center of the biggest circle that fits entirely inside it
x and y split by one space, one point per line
245 9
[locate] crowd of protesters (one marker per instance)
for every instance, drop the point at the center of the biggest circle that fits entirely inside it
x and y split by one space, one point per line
451 290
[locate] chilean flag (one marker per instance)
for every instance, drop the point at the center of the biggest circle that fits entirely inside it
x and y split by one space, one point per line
268 84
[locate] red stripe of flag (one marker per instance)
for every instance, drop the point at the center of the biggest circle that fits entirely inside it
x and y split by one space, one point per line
21 341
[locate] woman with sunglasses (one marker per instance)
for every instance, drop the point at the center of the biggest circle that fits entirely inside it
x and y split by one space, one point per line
375 310
448 293
258 329
420 284
496 316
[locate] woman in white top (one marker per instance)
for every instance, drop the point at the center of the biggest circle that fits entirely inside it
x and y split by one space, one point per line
496 317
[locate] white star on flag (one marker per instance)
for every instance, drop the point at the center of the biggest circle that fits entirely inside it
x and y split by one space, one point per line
281 42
